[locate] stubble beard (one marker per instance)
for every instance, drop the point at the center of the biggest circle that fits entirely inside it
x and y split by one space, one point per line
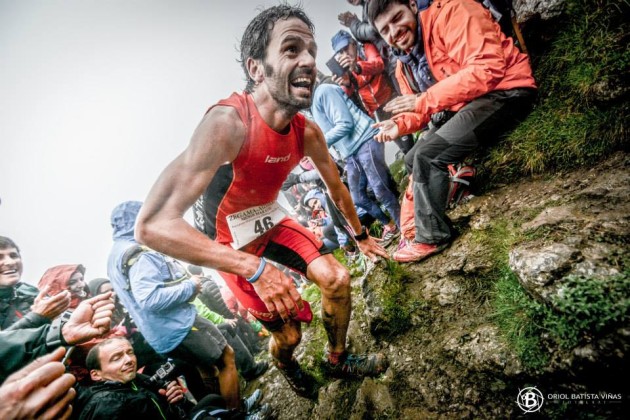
286 102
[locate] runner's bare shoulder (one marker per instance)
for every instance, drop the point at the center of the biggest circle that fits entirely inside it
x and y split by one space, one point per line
223 128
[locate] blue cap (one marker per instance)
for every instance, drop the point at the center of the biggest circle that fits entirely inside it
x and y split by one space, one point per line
341 40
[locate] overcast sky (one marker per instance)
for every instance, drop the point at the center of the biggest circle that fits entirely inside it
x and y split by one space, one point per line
96 97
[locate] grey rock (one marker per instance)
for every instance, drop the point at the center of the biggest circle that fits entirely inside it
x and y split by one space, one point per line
550 217
537 268
545 9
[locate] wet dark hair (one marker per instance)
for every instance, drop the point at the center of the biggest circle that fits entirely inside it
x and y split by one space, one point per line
378 7
6 243
258 33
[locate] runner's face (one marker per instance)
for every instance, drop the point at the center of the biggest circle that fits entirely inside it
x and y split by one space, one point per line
10 267
118 362
290 65
398 26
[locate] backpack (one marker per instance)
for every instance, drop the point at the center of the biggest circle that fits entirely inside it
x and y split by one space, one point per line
461 177
503 12
177 272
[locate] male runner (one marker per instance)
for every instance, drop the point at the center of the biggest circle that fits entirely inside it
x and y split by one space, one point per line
237 160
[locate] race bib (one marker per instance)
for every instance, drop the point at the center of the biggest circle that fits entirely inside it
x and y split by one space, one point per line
252 223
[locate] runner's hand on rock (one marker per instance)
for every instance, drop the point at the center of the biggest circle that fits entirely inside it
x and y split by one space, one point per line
372 249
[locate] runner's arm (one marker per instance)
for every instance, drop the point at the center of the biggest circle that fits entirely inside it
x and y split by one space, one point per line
315 148
161 223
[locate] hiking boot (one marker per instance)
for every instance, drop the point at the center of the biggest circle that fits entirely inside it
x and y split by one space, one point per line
263 413
258 369
415 251
301 382
389 234
251 403
357 365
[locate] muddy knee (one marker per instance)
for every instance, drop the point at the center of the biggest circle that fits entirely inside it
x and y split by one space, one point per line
335 283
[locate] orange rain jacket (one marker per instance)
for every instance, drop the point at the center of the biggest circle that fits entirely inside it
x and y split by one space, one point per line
468 55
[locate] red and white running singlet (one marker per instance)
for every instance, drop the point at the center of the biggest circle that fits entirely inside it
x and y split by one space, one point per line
240 205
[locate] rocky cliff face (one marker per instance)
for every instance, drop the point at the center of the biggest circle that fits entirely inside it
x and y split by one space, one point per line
449 356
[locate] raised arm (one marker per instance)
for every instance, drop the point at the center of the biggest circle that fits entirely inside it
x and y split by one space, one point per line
161 224
315 148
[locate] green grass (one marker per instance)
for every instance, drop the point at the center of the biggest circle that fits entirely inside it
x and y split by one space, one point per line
589 307
584 310
579 118
517 316
397 307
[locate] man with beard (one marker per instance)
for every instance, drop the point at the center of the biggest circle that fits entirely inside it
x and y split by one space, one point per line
237 160
461 76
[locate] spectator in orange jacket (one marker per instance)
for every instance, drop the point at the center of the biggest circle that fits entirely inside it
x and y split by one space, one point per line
457 69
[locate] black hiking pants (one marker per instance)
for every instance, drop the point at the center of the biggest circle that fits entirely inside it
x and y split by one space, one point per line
480 122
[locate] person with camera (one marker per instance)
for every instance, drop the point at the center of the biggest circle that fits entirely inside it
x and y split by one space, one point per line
453 57
362 75
120 392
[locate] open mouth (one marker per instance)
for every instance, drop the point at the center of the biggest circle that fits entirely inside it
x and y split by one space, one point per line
402 38
80 293
302 83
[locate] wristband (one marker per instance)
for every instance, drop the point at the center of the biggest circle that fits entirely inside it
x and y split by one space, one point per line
261 268
363 235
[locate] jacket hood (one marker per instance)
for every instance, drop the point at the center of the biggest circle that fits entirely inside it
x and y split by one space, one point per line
123 219
58 279
96 284
314 193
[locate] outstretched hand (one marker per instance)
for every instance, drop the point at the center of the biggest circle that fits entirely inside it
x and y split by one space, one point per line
278 292
91 319
404 103
40 390
346 18
388 130
51 306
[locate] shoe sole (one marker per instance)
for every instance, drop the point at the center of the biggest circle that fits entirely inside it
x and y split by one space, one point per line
439 249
